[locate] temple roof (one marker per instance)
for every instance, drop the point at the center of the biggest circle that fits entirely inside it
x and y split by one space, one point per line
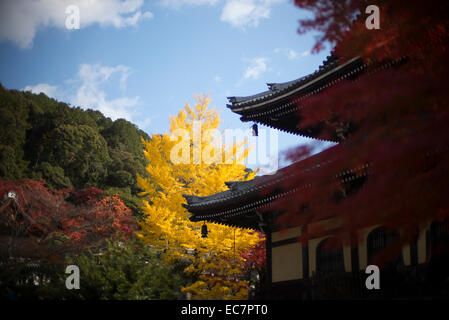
239 205
276 89
11 214
280 106
277 107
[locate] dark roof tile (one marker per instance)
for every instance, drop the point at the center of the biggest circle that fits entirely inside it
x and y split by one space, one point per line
276 89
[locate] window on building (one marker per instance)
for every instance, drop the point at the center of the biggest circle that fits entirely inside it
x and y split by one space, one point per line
330 256
438 253
438 238
379 239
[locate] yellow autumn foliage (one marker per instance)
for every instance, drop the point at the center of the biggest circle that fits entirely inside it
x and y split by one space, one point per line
216 260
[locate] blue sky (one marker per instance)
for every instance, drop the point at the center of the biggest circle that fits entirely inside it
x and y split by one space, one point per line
142 60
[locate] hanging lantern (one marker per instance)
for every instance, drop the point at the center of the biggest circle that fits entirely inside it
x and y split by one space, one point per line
255 130
204 231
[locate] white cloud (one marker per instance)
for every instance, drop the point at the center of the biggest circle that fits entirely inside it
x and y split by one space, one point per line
147 15
91 95
145 123
20 19
217 79
241 13
291 54
179 3
256 68
87 91
49 90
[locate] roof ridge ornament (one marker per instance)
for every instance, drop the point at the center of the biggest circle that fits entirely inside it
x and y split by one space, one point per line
191 199
11 195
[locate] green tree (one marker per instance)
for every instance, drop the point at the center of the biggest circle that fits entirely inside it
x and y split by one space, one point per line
13 123
81 151
54 175
46 138
123 271
9 168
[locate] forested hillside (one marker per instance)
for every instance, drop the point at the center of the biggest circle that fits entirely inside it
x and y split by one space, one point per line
68 146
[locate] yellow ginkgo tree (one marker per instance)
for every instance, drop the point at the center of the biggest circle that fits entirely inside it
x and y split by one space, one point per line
191 159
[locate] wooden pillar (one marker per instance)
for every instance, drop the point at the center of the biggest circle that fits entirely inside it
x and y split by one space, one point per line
305 260
355 262
305 270
414 251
